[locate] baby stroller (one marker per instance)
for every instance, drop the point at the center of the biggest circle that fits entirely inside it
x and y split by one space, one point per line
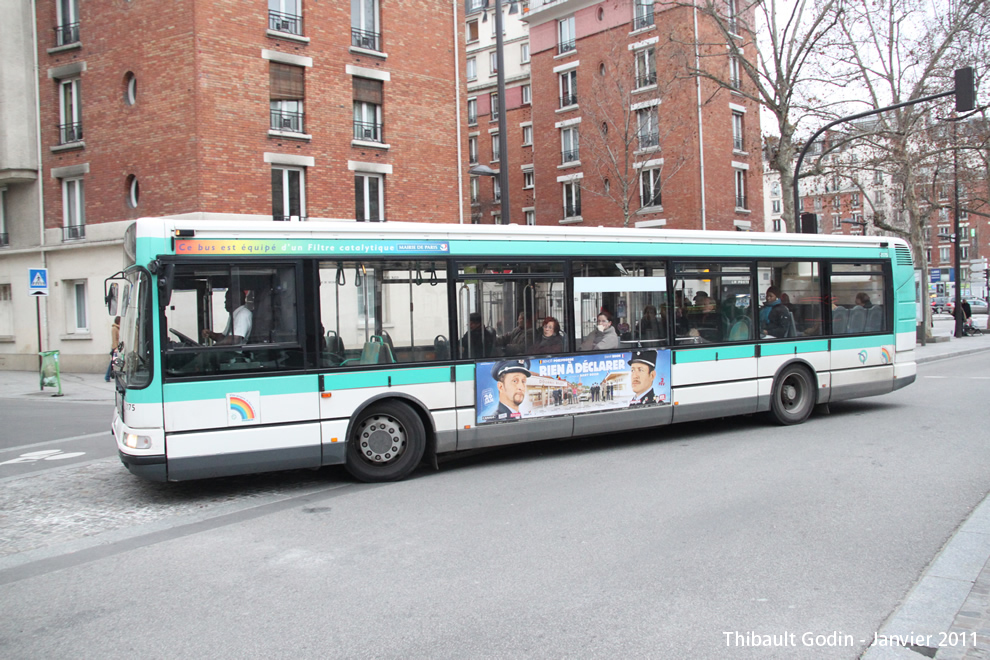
969 329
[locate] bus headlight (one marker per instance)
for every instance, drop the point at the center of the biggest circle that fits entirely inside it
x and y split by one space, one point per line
135 441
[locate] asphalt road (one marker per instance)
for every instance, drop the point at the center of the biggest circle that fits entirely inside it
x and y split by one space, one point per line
663 544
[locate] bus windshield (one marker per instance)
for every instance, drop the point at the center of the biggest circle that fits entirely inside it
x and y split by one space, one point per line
134 366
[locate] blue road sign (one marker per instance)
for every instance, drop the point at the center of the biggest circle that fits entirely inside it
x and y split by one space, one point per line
38 281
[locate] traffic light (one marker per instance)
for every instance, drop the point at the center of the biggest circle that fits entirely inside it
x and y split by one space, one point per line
809 223
965 89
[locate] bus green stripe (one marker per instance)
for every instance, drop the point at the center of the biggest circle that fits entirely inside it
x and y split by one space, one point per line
658 249
215 389
358 379
688 356
871 341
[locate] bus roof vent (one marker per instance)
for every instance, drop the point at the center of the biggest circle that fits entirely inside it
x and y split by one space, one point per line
903 255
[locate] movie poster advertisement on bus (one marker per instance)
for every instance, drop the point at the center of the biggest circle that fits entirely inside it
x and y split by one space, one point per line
520 388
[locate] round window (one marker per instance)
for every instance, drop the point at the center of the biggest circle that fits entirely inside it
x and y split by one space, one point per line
133 191
130 88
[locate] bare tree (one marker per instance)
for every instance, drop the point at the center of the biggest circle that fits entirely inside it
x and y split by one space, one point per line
619 132
777 74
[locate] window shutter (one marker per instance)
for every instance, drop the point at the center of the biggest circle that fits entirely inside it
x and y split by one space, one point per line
367 90
286 82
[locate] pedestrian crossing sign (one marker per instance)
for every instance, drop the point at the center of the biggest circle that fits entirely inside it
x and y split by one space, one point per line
38 281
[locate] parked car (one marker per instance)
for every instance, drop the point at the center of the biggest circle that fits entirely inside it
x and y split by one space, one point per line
940 304
976 306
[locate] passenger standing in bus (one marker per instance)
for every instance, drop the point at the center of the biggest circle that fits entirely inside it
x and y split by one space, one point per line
478 341
238 325
603 338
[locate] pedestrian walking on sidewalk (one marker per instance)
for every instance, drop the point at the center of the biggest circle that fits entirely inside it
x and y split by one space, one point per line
114 342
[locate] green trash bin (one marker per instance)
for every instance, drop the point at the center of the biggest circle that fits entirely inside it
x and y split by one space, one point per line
50 376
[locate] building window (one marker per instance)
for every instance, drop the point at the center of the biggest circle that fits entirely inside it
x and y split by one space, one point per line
572 199
288 193
492 63
496 191
568 88
130 88
566 38
737 131
73 209
836 222
365 30
4 237
494 108
472 68
944 255
735 81
527 132
67 31
775 189
818 204
878 177
527 94
285 16
70 127
776 224
649 188
646 67
77 318
369 197
569 144
643 14
524 52
836 203
528 179
475 189
473 149
472 31
530 216
6 311
287 91
775 206
732 16
495 149
472 110
854 200
648 127
741 189
133 191
368 97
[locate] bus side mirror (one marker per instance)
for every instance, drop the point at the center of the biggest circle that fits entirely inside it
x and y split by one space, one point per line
111 299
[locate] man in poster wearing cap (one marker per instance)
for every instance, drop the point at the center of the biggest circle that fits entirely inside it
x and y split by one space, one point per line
643 371
510 377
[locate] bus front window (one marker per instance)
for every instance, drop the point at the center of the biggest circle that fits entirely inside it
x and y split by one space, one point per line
133 368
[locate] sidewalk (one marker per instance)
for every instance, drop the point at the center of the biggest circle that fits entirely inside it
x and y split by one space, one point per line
80 388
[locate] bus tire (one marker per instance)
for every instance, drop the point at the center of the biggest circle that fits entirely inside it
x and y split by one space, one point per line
386 444
793 396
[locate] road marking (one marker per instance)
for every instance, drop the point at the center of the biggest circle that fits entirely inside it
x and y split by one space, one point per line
44 455
52 442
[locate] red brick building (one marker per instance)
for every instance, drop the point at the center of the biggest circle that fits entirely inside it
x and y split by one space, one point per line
623 135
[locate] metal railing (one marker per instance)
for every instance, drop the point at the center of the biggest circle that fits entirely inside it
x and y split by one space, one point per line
572 210
643 20
740 201
569 156
288 23
68 133
646 79
566 46
737 143
73 232
366 39
649 139
67 34
735 83
287 121
568 99
368 131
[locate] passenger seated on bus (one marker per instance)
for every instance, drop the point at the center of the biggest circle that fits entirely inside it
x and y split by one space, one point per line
863 300
516 340
650 327
552 340
478 341
603 337
238 325
775 318
707 322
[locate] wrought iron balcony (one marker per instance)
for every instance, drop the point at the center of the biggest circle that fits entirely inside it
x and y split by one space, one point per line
735 83
366 39
67 34
569 156
68 133
368 131
568 99
291 122
572 210
73 232
566 46
644 20
288 23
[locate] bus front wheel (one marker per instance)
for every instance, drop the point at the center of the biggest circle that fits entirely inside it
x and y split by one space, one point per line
387 443
793 395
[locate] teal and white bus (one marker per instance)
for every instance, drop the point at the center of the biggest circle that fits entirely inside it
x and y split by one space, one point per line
263 346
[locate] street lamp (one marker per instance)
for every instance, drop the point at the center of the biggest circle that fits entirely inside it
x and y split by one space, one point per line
503 142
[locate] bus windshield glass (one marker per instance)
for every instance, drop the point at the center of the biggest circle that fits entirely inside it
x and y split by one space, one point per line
135 366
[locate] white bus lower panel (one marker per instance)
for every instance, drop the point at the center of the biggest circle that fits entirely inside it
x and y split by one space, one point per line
243 450
866 381
714 400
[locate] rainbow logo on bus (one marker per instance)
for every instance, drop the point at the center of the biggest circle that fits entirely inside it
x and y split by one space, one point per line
884 356
243 408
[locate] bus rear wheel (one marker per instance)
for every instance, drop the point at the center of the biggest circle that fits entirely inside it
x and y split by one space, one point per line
793 396
386 444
